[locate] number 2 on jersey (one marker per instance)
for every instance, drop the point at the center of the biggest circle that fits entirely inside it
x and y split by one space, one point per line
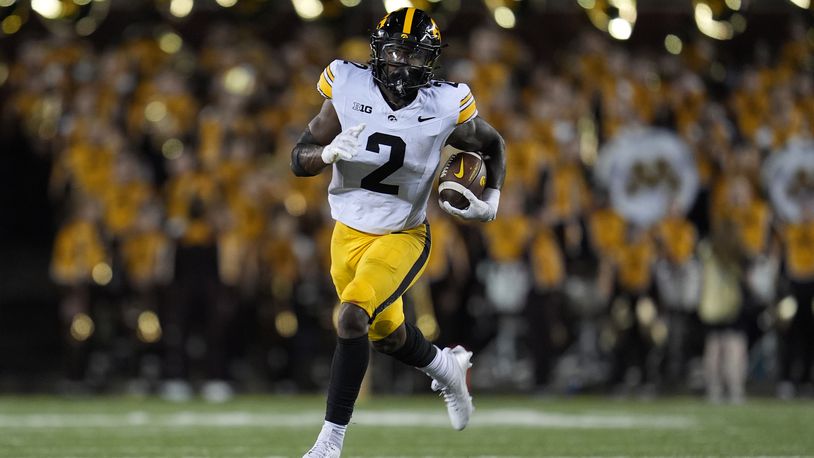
373 180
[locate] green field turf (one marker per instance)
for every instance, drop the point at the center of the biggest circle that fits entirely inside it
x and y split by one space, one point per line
403 427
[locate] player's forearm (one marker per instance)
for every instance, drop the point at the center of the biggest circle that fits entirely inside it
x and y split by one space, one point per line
478 135
306 157
494 157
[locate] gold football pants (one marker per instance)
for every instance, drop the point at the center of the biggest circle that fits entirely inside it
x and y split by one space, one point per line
373 271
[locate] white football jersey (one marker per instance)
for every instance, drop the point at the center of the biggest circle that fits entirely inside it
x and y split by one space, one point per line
385 187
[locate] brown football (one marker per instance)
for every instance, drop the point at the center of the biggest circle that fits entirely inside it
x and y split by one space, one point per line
462 170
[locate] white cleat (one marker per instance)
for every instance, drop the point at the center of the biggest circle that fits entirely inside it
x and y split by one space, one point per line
456 394
323 449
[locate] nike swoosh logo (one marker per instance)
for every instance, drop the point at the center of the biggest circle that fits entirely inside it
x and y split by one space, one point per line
420 119
460 173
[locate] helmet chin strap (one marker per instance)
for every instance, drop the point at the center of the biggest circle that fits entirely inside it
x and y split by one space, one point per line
398 83
396 94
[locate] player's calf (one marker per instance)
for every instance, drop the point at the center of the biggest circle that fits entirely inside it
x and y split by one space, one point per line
415 350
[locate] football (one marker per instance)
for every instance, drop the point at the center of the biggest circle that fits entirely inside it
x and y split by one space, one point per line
463 170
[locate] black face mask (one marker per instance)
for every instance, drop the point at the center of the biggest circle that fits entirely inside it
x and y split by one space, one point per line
402 79
403 67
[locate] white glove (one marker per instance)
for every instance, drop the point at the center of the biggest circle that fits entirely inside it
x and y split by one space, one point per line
479 210
344 146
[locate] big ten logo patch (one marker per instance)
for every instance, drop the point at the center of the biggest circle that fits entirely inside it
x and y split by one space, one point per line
362 107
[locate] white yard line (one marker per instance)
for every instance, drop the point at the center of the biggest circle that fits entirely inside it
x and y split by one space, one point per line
387 418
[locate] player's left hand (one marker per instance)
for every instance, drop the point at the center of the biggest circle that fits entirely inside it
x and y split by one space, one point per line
478 210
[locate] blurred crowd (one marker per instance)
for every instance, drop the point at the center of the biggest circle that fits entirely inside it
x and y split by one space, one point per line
188 255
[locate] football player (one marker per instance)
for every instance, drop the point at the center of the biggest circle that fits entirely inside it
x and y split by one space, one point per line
381 129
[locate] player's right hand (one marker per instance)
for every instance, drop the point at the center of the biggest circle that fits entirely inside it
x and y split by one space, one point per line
478 210
344 146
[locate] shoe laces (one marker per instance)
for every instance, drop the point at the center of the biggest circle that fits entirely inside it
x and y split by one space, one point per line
321 448
450 398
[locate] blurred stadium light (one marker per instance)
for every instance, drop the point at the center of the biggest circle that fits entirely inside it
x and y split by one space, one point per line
503 12
720 19
393 5
176 8
13 14
673 44
617 17
804 4
308 9
64 17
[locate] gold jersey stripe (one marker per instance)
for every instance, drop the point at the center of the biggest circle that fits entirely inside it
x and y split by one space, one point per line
467 113
330 73
324 86
466 99
408 21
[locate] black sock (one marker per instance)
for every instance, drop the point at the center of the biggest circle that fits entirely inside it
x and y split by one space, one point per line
417 351
347 371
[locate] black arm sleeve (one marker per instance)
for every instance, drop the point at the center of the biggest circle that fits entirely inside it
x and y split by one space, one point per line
306 156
